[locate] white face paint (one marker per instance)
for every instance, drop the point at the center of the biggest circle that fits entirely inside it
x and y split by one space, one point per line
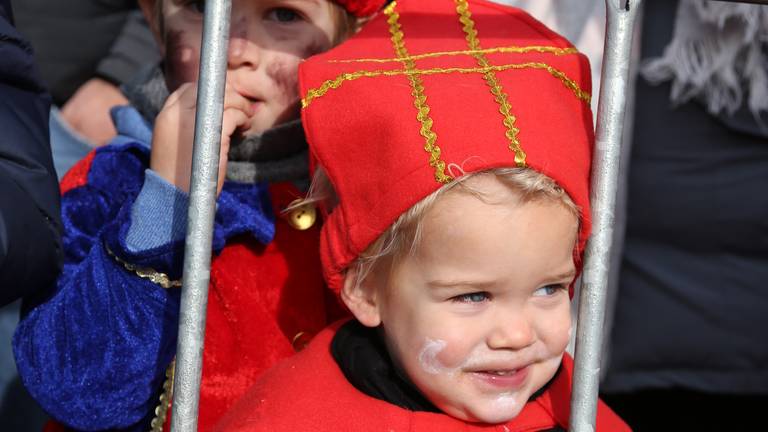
428 357
476 335
500 405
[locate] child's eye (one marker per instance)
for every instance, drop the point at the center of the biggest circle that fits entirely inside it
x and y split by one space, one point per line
548 290
196 5
475 297
283 15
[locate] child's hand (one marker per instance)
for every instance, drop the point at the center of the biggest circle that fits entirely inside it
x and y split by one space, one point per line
171 156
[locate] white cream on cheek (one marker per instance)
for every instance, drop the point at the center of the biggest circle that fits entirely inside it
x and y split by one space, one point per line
501 407
428 357
507 404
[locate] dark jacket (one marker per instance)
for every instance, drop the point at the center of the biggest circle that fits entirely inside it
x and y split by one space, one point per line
30 249
76 40
692 300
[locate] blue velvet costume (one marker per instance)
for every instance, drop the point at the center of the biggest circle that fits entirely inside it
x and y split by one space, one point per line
94 353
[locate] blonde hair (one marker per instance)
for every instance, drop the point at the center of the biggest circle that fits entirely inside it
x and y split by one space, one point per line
404 234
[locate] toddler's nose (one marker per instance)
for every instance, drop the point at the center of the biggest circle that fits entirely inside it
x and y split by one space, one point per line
512 331
241 52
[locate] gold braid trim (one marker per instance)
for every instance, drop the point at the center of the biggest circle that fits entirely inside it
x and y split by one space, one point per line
154 276
503 50
465 17
420 100
335 83
161 412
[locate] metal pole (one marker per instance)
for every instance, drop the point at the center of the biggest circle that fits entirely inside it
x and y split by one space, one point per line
620 19
202 209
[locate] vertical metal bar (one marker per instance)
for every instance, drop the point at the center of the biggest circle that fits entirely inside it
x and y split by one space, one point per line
620 19
202 209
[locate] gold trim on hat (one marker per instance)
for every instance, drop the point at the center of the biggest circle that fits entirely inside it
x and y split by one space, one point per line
335 83
485 68
420 99
542 49
468 25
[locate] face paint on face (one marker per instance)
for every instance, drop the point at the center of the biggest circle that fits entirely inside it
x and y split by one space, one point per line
268 40
479 366
428 357
283 73
473 317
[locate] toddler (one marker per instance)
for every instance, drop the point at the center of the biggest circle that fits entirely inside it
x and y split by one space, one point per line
454 138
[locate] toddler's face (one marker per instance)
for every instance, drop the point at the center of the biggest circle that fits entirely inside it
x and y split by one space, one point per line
268 39
479 317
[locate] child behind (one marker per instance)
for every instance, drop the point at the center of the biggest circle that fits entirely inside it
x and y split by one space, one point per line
456 137
96 352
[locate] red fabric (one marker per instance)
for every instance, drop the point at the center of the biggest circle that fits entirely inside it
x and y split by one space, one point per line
260 298
366 134
52 426
361 8
309 392
77 175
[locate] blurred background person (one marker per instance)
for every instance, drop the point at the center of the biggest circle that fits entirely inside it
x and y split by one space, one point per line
688 343
30 248
85 50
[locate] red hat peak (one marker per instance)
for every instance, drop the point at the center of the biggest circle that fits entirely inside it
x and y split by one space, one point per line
428 83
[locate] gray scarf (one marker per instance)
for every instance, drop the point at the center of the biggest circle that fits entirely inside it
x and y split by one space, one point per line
277 155
718 55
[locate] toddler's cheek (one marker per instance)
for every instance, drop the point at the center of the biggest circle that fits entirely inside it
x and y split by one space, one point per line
454 355
440 356
181 60
284 72
315 47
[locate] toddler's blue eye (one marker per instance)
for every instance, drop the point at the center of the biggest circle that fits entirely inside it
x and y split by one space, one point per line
548 290
283 15
475 297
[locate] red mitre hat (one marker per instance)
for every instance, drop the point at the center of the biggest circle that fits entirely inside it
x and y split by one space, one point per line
361 8
429 83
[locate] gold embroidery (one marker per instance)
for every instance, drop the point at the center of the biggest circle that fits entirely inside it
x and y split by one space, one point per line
161 412
504 50
154 276
420 99
335 83
465 17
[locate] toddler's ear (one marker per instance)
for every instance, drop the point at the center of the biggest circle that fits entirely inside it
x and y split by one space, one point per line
361 298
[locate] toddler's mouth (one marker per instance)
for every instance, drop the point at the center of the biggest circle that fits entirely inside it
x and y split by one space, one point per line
501 378
256 104
501 372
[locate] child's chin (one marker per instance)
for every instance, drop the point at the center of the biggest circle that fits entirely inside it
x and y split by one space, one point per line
498 410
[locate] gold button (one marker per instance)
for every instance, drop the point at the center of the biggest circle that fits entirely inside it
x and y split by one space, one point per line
303 217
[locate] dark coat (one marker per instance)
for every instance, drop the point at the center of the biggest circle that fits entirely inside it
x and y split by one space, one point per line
30 248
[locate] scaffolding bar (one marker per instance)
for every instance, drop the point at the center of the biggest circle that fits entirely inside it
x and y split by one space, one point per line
620 19
202 209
